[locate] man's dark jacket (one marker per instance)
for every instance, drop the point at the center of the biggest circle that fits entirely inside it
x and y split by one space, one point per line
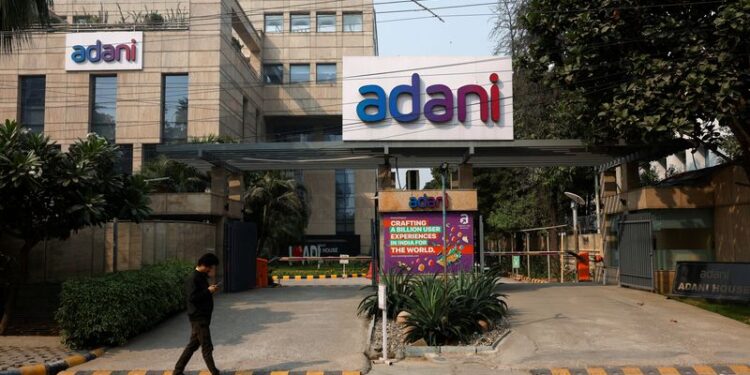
200 301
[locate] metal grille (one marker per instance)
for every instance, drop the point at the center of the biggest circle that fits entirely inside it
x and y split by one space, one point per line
240 241
636 252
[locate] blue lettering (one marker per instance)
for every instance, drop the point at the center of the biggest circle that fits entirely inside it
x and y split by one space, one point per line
377 102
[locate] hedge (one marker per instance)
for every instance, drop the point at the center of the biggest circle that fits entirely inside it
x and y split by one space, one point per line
108 310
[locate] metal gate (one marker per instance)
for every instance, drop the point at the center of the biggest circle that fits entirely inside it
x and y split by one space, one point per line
240 242
636 250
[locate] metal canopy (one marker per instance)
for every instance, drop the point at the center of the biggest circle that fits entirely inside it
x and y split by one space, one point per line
404 154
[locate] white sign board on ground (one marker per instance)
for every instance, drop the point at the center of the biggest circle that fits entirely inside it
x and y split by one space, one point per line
427 98
119 50
344 260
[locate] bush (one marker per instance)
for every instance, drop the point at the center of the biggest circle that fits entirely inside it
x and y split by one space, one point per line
107 310
441 311
449 311
398 289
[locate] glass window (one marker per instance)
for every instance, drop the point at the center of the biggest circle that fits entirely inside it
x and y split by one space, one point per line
300 23
345 207
273 74
352 22
326 22
174 108
299 73
325 73
104 106
31 108
274 23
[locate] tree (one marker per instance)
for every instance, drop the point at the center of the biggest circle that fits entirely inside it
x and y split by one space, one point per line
169 176
47 193
16 16
646 71
279 207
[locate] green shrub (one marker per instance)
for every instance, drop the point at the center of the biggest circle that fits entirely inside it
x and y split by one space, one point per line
107 310
398 290
446 311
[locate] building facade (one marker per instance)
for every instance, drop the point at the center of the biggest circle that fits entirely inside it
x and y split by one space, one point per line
249 71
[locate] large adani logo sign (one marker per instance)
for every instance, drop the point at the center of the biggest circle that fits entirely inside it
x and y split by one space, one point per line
427 98
104 51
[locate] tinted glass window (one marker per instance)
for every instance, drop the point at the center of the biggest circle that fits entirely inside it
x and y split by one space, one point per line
299 73
104 106
352 22
273 74
31 103
345 207
326 23
274 23
175 108
326 73
300 23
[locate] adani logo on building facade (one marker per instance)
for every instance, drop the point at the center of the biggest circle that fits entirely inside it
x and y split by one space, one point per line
104 51
427 98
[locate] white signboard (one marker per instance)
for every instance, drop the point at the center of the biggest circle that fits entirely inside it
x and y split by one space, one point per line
343 259
427 98
104 51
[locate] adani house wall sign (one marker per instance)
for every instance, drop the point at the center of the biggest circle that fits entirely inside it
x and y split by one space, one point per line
104 51
427 98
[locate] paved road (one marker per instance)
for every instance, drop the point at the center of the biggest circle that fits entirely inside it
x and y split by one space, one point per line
298 327
586 325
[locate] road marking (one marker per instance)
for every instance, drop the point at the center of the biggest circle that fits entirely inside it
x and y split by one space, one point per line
740 369
631 371
560 371
596 371
668 371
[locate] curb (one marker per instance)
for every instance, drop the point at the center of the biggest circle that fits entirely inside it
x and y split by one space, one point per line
529 279
248 372
314 277
52 368
735 369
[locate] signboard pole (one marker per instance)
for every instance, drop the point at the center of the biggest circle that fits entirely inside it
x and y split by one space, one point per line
445 252
383 304
528 255
481 243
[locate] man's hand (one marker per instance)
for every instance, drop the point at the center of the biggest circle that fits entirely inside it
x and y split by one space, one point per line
213 289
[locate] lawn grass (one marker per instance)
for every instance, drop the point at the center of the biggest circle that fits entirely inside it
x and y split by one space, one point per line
736 311
326 268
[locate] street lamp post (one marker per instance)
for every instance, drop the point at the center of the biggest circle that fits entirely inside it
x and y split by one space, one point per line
576 200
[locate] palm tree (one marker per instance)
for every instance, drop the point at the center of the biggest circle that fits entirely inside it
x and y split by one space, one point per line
180 177
279 207
16 17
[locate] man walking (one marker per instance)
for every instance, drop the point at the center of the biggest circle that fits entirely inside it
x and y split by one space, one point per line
200 306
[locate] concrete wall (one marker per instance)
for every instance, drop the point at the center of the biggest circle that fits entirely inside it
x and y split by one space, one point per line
89 251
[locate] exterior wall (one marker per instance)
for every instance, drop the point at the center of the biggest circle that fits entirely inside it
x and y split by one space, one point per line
313 47
732 215
219 76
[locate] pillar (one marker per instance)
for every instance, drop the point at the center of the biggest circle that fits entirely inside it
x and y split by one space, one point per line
463 178
386 180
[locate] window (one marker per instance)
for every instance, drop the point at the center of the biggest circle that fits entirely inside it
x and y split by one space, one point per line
174 108
300 23
103 106
31 108
299 73
326 22
274 23
273 74
345 201
352 22
325 73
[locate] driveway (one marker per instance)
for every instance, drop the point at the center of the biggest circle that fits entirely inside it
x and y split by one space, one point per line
576 325
305 325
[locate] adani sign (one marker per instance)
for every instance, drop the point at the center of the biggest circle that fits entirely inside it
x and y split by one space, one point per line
104 51
427 98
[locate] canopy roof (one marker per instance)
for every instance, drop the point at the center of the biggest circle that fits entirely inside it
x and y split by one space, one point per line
402 154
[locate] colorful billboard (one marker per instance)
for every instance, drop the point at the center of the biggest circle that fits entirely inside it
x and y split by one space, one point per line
413 241
427 98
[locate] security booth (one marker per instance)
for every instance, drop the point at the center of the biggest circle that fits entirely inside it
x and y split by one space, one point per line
426 232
